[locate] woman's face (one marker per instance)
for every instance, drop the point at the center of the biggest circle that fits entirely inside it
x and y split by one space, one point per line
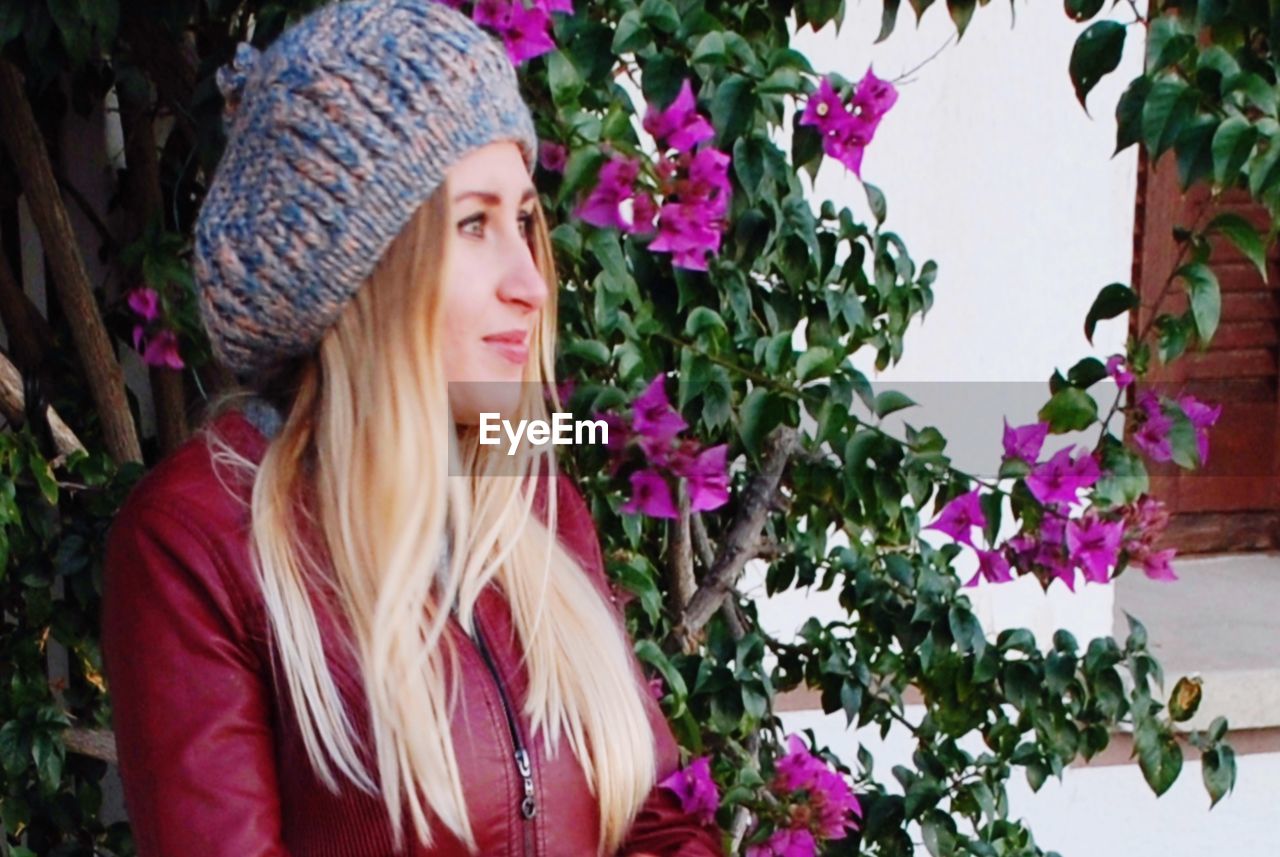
493 291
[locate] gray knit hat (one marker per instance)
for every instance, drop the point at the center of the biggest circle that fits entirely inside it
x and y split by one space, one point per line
337 133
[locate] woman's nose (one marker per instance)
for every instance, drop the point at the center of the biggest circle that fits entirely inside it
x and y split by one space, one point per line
523 284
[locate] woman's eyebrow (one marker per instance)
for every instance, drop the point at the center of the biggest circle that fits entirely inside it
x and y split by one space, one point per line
491 198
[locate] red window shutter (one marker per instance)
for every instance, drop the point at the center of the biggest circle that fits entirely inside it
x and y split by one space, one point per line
1232 504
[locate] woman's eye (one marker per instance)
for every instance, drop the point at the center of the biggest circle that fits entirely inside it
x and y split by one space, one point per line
526 224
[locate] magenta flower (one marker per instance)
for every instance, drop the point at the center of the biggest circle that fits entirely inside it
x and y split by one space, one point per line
654 418
616 185
1202 417
707 478
650 495
873 99
1118 369
1025 442
1153 425
993 567
492 13
832 804
688 233
1094 544
1158 565
1061 478
787 842
552 156
162 350
526 34
657 688
679 126
708 181
960 516
145 303
846 133
696 789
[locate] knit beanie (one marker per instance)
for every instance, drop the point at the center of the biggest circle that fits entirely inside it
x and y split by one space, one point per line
337 133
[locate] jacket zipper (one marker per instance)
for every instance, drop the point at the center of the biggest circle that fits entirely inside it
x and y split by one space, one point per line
528 804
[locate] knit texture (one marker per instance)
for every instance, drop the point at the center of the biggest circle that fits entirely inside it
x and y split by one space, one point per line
337 133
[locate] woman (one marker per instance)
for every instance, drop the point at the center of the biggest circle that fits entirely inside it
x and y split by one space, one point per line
335 624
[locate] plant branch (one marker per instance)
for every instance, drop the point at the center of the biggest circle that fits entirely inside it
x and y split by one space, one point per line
743 533
75 294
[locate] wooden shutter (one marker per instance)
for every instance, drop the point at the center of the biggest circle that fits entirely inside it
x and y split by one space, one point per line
1232 504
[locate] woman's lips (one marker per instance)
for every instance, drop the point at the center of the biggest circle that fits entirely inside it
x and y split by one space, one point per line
514 352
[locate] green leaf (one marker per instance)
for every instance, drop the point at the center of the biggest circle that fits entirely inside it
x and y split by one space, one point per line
1086 373
732 108
966 630
1129 113
1124 480
563 79
961 13
888 19
1169 106
1096 54
591 350
660 15
710 49
12 21
1206 299
1218 770
815 361
1194 150
1246 239
875 199
1167 43
1083 10
605 246
1112 301
1070 409
890 401
761 411
1182 438
703 319
1254 91
1159 757
1232 144
631 34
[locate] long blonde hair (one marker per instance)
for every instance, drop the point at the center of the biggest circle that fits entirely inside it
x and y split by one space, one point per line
367 435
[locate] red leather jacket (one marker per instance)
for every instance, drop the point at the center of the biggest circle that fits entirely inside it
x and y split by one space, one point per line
211 760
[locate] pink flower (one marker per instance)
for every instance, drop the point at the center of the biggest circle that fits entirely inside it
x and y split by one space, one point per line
1152 433
831 802
145 303
679 125
552 156
873 98
960 516
526 33
786 842
708 478
139 336
657 688
162 350
846 133
1061 478
492 13
1202 417
1118 369
1158 565
1094 544
993 567
654 418
650 495
708 181
1025 442
688 232
616 185
696 789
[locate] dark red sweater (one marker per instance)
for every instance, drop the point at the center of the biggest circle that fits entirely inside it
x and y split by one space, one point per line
211 759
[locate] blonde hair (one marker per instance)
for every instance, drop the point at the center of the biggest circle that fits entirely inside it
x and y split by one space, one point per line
365 436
